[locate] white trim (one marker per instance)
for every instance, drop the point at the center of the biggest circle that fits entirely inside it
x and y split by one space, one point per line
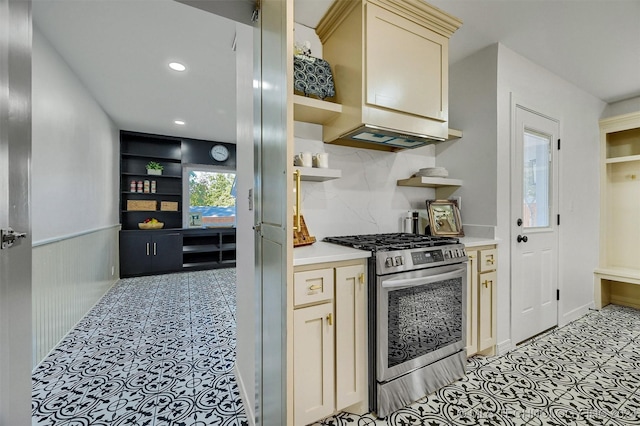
248 408
575 314
504 347
70 236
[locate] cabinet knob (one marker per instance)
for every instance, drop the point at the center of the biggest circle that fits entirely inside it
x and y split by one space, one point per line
330 319
315 287
361 278
487 282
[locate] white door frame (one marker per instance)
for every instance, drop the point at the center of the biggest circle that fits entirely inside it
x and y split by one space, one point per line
514 230
15 262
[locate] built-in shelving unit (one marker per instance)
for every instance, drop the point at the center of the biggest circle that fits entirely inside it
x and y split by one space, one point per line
314 174
208 248
136 150
173 248
618 275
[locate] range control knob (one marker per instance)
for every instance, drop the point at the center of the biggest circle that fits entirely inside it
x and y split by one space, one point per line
399 261
388 262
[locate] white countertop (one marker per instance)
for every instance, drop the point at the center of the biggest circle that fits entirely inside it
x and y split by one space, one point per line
477 242
321 252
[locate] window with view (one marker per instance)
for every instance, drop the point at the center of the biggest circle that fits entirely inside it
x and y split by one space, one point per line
211 193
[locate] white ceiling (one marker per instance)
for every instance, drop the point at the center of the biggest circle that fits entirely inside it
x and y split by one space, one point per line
120 48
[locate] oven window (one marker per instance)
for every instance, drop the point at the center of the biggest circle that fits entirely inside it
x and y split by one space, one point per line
423 319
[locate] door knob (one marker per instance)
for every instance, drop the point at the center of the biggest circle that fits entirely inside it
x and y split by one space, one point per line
8 237
522 238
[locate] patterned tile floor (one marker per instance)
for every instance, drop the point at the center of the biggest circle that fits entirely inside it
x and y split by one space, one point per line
155 350
160 351
586 373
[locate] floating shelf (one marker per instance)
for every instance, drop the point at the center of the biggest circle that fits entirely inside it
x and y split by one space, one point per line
454 134
314 174
313 110
429 182
624 159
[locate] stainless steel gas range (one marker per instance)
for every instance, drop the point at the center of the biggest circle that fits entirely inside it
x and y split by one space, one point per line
417 319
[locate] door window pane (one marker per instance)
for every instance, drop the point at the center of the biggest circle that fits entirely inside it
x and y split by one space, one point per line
536 180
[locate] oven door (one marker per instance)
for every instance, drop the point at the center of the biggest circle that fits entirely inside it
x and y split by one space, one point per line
420 318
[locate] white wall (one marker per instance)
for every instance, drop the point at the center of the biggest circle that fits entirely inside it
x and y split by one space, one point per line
473 158
75 152
74 199
623 107
578 113
481 87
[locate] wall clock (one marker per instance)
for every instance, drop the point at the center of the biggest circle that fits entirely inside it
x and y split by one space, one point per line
219 153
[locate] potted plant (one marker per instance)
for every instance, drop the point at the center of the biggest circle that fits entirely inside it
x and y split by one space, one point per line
154 168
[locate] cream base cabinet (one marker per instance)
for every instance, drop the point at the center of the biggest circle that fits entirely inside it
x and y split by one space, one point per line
351 331
472 303
481 300
329 340
313 365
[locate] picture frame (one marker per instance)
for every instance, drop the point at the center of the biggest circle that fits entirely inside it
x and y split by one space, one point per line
444 218
195 219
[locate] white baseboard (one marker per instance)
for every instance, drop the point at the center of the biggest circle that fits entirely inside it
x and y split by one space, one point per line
504 347
575 314
248 407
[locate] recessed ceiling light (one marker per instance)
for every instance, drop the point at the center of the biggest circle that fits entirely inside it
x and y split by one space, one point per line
177 66
179 122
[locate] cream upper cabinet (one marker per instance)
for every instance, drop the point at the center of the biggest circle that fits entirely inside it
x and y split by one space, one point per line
481 300
390 67
406 65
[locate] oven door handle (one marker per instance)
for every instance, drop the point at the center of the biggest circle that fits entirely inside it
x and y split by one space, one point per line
409 282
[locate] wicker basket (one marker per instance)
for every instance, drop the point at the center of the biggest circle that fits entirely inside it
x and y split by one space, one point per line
149 225
141 205
169 206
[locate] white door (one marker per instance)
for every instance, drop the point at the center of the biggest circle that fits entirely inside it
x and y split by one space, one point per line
534 224
15 261
274 207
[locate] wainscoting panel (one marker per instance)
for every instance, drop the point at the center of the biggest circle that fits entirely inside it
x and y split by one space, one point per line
70 275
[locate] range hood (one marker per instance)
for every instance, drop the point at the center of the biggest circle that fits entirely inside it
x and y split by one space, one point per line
390 67
390 139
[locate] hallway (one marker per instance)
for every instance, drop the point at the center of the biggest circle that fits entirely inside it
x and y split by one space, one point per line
156 350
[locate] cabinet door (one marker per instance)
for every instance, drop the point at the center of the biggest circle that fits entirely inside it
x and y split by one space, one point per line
487 310
135 254
472 304
166 252
419 89
313 363
488 260
312 286
351 330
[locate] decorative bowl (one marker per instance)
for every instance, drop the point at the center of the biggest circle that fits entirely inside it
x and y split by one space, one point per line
149 225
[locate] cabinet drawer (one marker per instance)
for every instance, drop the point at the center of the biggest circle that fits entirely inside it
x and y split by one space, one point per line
488 260
312 286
